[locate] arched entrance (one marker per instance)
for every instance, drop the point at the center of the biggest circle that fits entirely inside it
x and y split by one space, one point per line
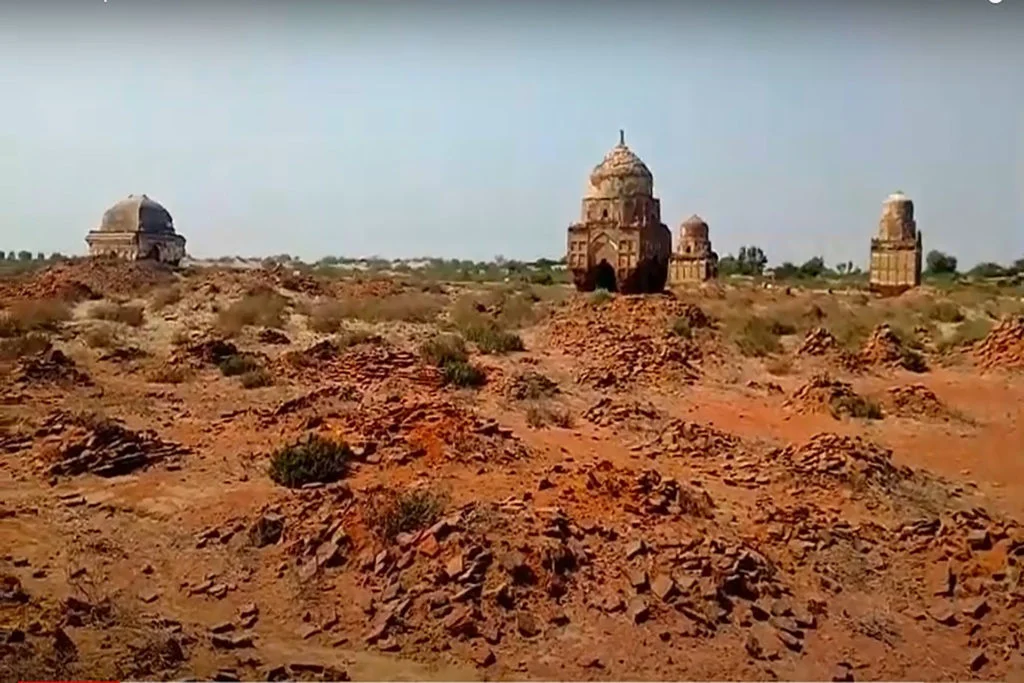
604 276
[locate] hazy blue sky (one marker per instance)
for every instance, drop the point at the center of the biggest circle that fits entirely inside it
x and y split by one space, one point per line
467 129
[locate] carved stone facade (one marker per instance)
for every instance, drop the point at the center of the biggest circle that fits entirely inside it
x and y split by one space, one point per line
620 243
137 228
693 259
896 250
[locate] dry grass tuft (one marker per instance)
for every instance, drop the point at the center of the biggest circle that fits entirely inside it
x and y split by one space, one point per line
168 374
165 296
33 316
128 314
262 309
392 513
13 348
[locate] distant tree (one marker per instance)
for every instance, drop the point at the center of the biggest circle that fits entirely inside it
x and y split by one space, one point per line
545 263
841 268
40 256
787 270
57 256
940 263
751 260
813 267
1018 266
24 255
728 265
12 256
988 269
499 260
329 261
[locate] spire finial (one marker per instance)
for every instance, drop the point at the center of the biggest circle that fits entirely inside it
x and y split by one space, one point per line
622 137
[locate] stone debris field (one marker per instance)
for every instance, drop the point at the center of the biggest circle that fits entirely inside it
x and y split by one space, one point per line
273 474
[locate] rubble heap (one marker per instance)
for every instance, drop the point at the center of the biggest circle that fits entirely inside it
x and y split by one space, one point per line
916 400
608 412
1003 346
78 444
78 279
50 366
627 340
527 385
818 342
832 457
883 347
823 393
370 362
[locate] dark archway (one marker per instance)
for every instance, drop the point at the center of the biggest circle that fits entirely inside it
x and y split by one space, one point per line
604 276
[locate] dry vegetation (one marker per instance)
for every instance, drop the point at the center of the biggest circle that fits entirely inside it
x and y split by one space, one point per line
639 488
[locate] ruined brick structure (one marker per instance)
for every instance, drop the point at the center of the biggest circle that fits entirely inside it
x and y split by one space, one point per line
896 250
137 228
620 243
693 259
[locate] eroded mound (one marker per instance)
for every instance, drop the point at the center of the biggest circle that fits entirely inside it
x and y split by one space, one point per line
827 457
1003 346
88 279
818 342
608 412
628 340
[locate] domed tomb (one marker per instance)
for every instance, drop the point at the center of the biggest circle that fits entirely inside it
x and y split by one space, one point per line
693 259
137 228
620 243
896 249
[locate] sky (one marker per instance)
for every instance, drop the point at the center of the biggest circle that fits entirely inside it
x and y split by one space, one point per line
467 129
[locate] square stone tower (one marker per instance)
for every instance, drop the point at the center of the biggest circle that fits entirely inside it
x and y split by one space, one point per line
693 259
620 243
896 250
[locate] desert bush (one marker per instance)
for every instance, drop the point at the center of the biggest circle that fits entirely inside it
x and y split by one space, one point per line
327 316
779 365
238 364
913 361
968 332
12 348
33 316
414 307
128 314
945 312
600 297
856 406
165 296
315 459
444 348
462 374
781 328
392 513
259 377
263 309
491 339
757 337
352 338
681 328
100 337
168 374
539 415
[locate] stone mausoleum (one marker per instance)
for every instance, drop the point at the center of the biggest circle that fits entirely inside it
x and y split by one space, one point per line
896 250
137 228
693 259
620 243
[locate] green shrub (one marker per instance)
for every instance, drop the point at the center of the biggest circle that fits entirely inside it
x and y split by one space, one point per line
238 364
600 297
462 374
966 333
391 513
315 459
